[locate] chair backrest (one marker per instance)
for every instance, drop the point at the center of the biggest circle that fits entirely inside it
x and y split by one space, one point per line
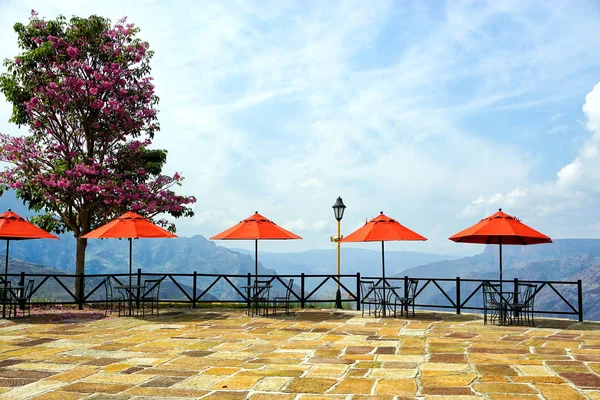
5 292
262 288
366 289
108 288
28 289
151 289
288 290
526 292
412 288
491 293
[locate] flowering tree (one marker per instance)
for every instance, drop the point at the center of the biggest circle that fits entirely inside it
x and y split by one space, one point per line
82 88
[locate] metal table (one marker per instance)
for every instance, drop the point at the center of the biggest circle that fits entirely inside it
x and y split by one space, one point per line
385 298
506 299
129 289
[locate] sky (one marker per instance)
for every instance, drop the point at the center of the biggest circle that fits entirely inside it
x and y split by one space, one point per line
436 113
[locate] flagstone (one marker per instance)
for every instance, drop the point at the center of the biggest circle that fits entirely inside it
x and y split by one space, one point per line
354 386
518 388
558 392
200 382
103 377
272 384
310 385
29 390
85 387
237 383
60 395
393 373
154 392
398 387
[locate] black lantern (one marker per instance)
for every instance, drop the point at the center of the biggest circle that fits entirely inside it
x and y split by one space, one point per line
338 209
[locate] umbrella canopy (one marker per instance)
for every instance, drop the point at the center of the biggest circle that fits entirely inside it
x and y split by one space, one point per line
256 227
382 229
129 226
15 227
500 228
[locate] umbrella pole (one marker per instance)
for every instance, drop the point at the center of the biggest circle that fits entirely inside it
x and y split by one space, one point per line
500 242
383 273
130 261
255 259
5 279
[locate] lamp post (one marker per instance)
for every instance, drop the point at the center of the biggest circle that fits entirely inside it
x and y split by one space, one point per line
338 212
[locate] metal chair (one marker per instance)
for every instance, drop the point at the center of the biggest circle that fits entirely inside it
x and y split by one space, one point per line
24 301
110 297
492 303
283 300
7 300
150 295
259 298
409 298
523 308
369 297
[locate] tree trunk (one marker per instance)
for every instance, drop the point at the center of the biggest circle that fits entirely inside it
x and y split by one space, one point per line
80 267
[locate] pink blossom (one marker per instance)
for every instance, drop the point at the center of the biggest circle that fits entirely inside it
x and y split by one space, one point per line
72 51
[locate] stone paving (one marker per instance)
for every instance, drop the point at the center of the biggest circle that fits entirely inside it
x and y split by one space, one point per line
309 355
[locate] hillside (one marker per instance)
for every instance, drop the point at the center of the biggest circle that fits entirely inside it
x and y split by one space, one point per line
324 261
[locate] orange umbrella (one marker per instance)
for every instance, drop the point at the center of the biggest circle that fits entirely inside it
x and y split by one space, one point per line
129 226
256 227
382 229
500 228
15 227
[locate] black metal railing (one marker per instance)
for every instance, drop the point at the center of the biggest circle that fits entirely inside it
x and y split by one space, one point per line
554 298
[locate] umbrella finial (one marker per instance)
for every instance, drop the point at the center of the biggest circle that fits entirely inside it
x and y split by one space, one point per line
255 212
380 212
9 209
500 209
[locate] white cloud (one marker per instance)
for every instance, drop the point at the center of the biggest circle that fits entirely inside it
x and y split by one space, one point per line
281 107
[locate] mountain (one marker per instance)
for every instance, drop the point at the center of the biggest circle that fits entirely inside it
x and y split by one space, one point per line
324 261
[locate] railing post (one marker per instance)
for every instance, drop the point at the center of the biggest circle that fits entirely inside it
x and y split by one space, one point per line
358 291
580 300
194 288
302 300
22 283
249 283
458 295
81 293
405 286
516 291
139 283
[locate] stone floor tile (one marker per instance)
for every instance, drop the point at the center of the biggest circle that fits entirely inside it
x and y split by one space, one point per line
272 396
509 388
59 395
272 384
237 383
354 386
165 392
83 387
310 385
559 392
398 387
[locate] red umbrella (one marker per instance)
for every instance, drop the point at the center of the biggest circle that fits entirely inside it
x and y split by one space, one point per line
129 226
500 228
15 227
382 229
256 227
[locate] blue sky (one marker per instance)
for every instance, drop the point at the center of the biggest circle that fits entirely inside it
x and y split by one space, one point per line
437 113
